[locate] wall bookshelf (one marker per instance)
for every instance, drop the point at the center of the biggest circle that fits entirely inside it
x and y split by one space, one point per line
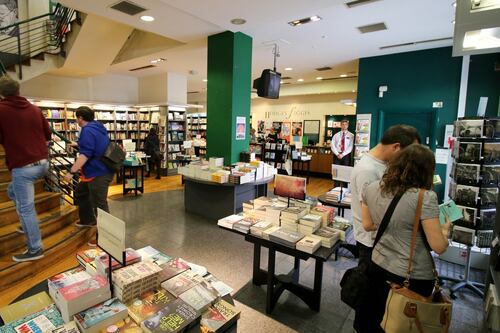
172 132
197 124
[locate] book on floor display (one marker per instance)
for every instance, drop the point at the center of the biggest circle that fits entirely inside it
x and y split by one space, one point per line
67 278
328 236
88 256
47 319
126 325
172 268
102 262
221 288
172 318
148 304
25 307
287 238
66 328
229 221
309 244
182 282
147 252
219 317
199 297
93 319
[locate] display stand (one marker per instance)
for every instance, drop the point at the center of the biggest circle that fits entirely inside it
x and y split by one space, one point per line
342 174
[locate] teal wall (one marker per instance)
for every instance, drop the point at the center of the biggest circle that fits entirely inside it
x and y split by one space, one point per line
417 79
229 70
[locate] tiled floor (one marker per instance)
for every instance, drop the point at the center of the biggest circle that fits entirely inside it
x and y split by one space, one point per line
159 220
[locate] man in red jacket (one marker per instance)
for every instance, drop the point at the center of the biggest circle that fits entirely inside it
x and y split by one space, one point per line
24 133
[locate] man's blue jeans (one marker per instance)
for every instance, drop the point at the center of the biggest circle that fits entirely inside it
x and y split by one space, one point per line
22 191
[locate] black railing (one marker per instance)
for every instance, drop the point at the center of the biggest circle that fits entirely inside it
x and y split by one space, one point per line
62 155
45 33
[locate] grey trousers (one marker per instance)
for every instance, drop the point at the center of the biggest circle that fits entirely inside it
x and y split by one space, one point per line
92 195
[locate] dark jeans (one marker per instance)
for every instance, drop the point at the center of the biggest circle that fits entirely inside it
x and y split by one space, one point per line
155 163
372 311
343 161
92 195
364 261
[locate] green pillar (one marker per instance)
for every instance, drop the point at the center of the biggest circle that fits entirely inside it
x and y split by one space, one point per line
228 93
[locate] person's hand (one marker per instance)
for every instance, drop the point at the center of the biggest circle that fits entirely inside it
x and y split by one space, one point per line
445 228
339 156
68 176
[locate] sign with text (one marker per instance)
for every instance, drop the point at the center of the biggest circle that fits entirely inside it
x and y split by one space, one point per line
111 231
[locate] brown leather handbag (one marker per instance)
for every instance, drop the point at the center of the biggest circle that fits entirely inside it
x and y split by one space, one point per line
408 311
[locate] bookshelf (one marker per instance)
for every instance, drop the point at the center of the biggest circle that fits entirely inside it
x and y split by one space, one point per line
275 154
197 124
172 133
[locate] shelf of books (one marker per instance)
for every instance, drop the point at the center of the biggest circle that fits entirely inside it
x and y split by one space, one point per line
197 125
276 154
362 139
172 132
152 293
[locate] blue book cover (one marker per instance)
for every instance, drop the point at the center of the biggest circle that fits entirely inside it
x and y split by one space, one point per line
101 312
450 210
47 319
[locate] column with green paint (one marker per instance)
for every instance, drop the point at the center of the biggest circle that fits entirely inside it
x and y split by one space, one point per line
229 77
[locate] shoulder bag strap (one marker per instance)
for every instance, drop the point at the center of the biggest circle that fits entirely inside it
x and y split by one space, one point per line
416 225
387 218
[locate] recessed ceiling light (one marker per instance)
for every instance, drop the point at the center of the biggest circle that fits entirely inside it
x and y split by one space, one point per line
238 21
155 61
288 68
314 18
205 80
300 80
147 18
319 78
281 82
343 75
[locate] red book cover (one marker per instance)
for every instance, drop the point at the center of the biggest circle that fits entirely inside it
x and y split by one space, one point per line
78 289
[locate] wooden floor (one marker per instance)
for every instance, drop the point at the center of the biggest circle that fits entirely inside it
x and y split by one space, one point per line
315 187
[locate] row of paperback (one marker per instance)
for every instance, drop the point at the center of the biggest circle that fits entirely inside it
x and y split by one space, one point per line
240 173
156 294
302 225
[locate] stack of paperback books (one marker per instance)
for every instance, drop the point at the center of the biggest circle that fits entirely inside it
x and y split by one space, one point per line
87 259
247 206
102 261
290 217
131 281
100 316
45 320
172 268
181 283
287 238
336 194
269 231
273 213
308 244
260 227
341 224
219 317
309 223
327 214
229 221
327 236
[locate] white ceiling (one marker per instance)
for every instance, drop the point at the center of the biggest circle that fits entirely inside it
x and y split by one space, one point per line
334 41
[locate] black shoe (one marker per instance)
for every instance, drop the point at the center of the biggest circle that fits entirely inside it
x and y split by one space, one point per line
27 256
20 230
86 225
158 177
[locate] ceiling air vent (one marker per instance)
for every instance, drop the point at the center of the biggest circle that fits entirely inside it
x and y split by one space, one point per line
355 3
128 7
321 69
286 78
372 28
416 43
141 68
285 83
193 92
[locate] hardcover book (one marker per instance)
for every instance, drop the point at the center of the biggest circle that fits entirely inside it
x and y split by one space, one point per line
219 316
172 318
44 320
181 283
148 304
100 316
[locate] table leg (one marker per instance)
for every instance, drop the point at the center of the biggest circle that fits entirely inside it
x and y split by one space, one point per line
257 276
270 281
318 282
296 268
122 172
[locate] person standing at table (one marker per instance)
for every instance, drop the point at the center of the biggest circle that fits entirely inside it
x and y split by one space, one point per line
342 143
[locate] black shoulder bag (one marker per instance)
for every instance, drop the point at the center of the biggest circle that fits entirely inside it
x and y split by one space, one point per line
354 283
113 156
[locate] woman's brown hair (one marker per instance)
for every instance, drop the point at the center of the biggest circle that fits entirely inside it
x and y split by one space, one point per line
413 167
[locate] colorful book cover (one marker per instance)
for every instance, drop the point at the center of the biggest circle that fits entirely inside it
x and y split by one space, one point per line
25 307
78 289
220 314
172 268
159 258
88 255
182 282
36 322
198 297
171 319
148 304
126 325
147 252
449 209
102 261
221 288
100 313
67 278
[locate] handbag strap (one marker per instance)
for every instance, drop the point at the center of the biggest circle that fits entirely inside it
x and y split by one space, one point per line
416 225
387 218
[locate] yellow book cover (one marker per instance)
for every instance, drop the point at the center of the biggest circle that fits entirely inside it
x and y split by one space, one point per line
25 307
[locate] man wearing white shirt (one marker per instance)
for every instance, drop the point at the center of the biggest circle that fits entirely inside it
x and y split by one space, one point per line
342 143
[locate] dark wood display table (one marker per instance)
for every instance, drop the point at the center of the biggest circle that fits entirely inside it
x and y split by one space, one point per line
215 201
276 284
340 205
135 172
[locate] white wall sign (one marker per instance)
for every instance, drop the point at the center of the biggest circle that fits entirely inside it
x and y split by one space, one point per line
111 231
442 156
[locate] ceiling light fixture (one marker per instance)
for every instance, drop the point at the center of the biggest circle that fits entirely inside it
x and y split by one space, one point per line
281 82
300 80
314 18
147 18
319 78
238 21
155 61
343 75
289 69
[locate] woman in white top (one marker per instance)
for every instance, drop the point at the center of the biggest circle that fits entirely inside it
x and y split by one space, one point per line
411 170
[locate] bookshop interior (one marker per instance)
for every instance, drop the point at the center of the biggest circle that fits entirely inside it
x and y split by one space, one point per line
248 166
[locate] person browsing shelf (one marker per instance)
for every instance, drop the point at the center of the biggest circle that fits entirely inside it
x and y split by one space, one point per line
342 143
92 190
410 171
152 149
24 133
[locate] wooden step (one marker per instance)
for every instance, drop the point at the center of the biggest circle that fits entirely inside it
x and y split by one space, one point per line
4 175
50 222
43 202
39 184
57 246
3 163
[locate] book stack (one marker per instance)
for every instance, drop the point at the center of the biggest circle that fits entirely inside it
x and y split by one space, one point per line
219 317
245 224
341 224
172 268
290 218
199 297
87 259
76 290
100 316
44 320
327 214
335 194
309 223
309 244
262 201
131 281
347 198
259 227
172 318
181 283
267 232
229 221
285 237
248 206
273 213
146 305
327 236
307 204
126 325
102 261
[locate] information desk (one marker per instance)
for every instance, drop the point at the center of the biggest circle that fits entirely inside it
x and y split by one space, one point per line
276 284
215 201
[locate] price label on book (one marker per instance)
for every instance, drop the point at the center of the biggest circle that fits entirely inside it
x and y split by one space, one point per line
111 231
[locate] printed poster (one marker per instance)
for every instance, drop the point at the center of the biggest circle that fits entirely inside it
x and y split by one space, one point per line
241 128
297 128
8 16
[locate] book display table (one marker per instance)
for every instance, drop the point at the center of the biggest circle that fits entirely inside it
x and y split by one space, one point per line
341 206
214 201
132 177
276 284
